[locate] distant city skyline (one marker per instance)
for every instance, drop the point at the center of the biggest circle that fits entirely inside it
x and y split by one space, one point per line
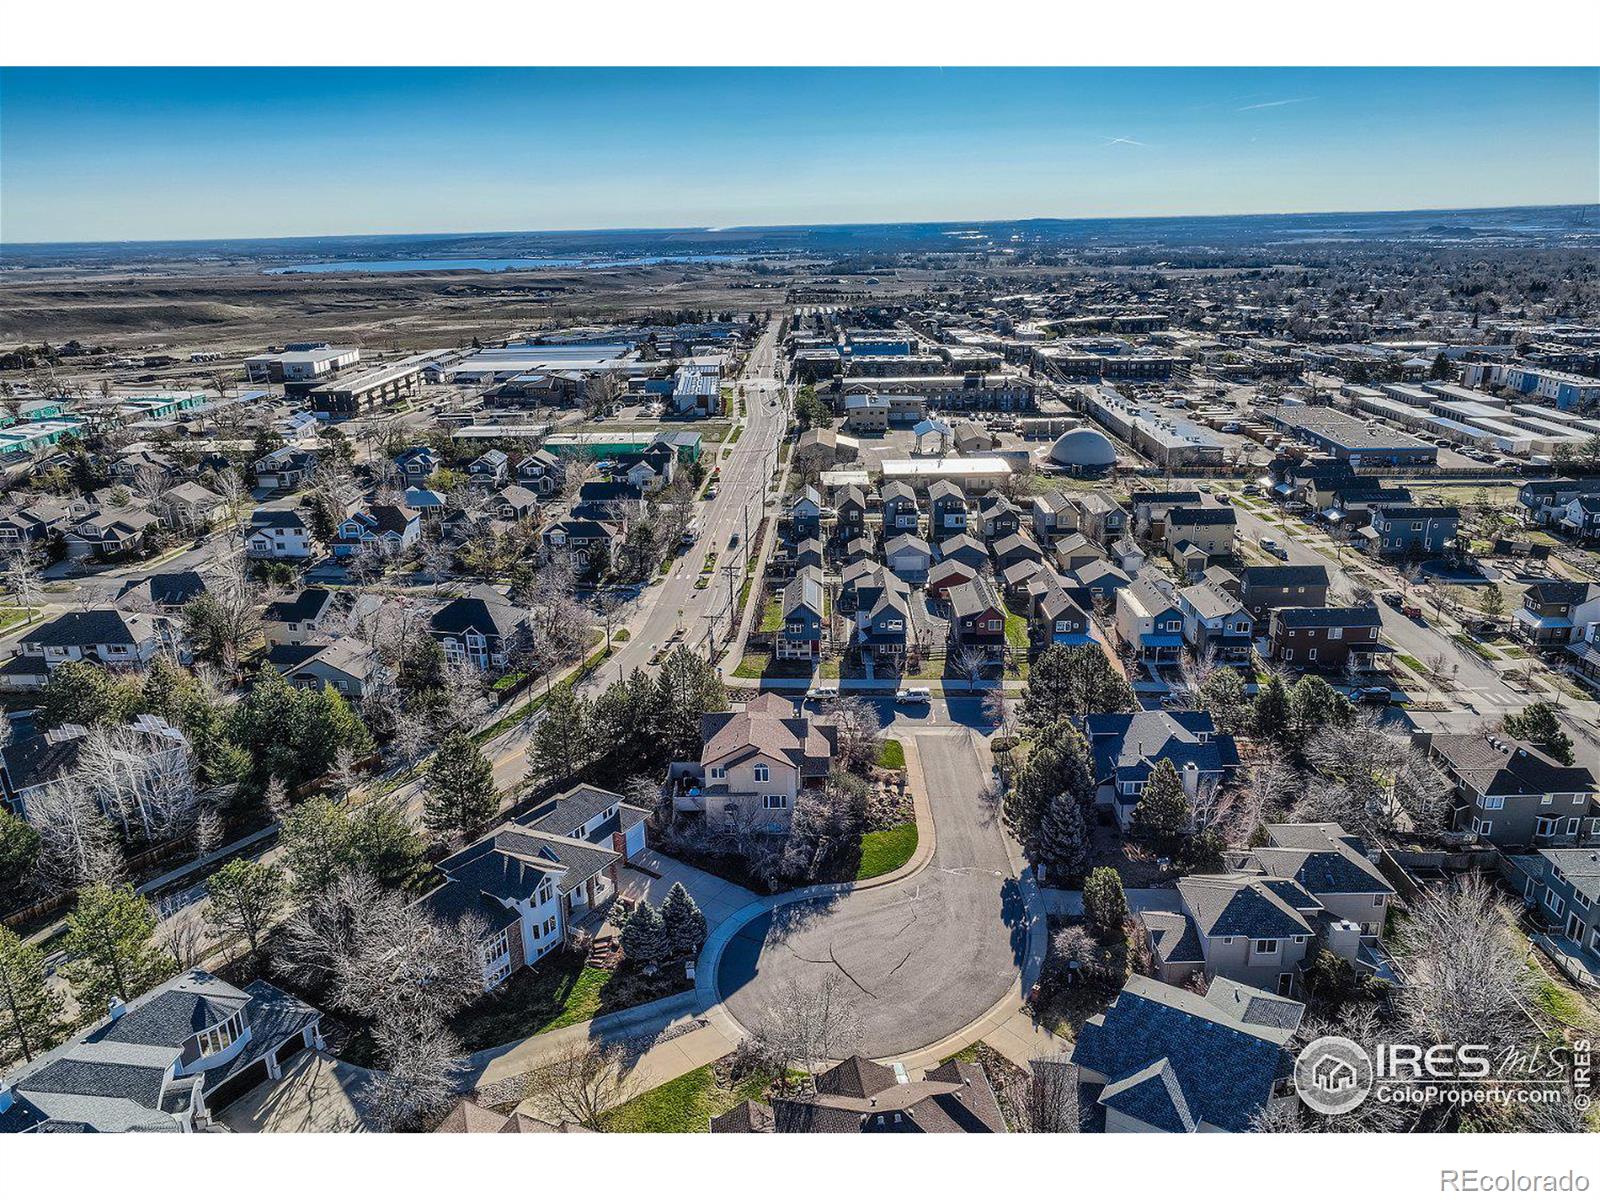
133 155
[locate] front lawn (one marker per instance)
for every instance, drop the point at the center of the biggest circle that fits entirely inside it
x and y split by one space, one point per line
891 755
772 615
886 850
686 1104
558 991
16 616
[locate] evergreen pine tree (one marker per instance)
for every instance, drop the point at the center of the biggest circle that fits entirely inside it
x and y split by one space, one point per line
644 941
1104 902
683 921
1063 838
1161 818
30 1012
461 791
109 949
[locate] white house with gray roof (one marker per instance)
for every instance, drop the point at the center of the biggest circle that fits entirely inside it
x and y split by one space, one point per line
164 1062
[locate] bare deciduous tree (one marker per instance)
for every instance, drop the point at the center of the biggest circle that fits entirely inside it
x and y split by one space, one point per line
1465 978
143 783
422 1060
858 725
580 1084
807 1026
77 844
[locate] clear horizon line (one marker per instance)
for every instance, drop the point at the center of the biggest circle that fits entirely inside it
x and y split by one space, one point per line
732 229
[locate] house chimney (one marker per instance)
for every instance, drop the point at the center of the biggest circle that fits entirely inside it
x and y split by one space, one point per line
115 1008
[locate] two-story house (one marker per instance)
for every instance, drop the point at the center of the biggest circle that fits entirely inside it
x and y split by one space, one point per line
1327 639
805 514
1556 613
884 623
107 636
481 628
1308 887
1100 517
947 507
997 516
1544 500
489 470
1510 794
1207 531
1013 548
1413 530
1060 620
285 468
1149 620
163 1062
754 764
513 503
852 513
534 880
279 533
588 542
1150 510
311 616
801 634
1127 747
541 470
32 524
1054 516
108 532
390 528
1580 519
416 465
977 617
1283 585
901 513
1216 624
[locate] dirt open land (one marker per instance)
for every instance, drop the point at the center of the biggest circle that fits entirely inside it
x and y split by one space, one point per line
187 310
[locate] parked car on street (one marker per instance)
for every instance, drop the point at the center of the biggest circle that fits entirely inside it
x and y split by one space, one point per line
822 692
913 696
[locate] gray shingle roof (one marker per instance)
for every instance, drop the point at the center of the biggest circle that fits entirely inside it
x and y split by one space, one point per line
1224 1067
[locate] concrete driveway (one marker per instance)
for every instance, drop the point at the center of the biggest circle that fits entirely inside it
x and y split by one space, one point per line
927 956
317 1094
718 899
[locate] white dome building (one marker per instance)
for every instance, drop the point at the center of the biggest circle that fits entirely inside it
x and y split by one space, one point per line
1083 449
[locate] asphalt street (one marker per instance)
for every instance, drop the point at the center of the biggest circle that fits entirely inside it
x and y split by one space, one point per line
926 956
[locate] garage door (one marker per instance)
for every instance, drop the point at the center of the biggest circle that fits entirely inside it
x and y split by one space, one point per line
229 1090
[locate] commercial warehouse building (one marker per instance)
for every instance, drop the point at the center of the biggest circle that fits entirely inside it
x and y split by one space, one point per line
1167 440
300 362
375 388
1350 439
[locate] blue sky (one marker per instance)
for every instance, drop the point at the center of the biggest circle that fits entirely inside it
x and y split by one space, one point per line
108 154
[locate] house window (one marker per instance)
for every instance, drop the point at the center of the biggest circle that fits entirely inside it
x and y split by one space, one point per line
1266 946
1554 902
1481 827
719 772
762 774
215 1041
1311 654
544 894
1133 787
496 948
1572 824
774 802
1494 802
1545 826
1288 655
1335 632
1377 902
549 927
1299 939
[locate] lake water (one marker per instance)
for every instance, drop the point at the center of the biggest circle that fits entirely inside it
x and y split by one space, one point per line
497 264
